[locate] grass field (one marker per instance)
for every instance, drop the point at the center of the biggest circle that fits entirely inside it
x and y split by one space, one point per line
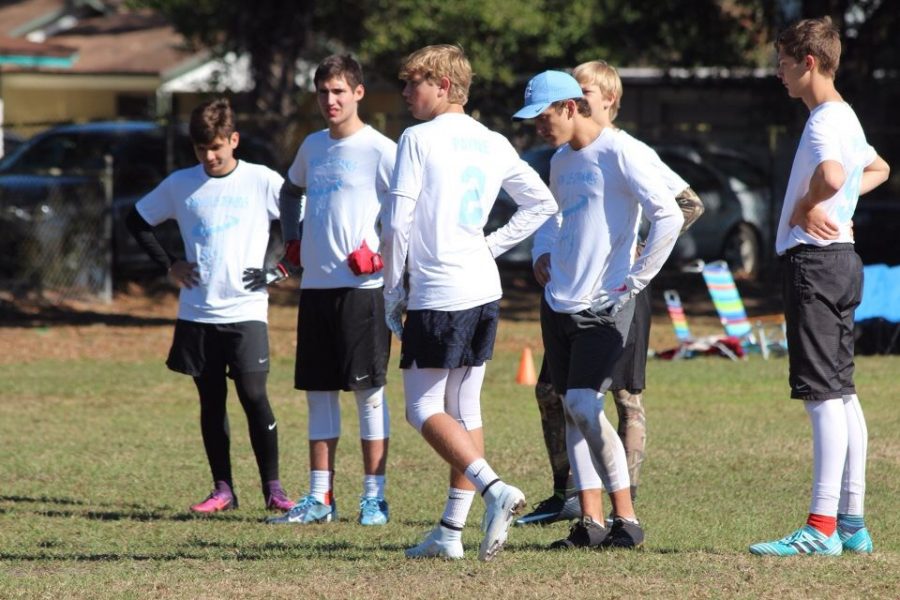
100 454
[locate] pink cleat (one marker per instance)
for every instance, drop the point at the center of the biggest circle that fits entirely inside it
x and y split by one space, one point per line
221 498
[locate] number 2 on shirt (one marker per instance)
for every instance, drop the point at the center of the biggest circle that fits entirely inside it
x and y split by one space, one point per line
470 210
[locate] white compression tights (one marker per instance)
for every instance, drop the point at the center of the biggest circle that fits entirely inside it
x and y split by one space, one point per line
454 391
595 450
839 455
325 414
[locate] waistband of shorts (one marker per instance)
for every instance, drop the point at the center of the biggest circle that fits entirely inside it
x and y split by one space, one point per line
811 249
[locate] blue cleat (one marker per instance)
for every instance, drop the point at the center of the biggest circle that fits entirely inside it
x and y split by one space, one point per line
307 510
373 510
806 540
859 541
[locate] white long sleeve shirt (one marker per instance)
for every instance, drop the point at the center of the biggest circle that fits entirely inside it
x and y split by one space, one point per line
446 178
602 190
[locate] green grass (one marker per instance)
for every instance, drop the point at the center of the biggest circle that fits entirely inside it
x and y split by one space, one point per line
99 460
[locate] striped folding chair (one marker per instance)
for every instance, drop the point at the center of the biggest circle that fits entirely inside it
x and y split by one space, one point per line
688 346
766 335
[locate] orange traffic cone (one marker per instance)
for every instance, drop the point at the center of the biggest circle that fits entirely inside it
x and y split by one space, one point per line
526 374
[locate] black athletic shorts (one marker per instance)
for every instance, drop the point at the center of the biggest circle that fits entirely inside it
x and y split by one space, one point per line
631 369
449 339
582 348
822 287
343 342
232 348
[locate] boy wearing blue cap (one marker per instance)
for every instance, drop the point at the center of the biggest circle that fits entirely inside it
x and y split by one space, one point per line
602 179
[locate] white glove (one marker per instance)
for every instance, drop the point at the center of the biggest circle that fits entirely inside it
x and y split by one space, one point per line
393 312
610 303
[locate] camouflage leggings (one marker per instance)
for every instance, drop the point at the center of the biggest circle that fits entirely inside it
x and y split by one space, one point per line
632 430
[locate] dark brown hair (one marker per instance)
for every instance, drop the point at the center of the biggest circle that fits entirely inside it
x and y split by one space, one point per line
210 120
339 65
584 109
814 37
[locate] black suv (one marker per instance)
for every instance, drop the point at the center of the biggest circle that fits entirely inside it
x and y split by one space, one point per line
53 180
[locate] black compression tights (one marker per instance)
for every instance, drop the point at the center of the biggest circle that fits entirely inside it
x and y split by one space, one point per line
251 390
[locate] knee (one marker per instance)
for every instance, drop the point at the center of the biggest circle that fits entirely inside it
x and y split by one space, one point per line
419 412
583 405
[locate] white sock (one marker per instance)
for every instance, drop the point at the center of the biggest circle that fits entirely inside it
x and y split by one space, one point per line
829 429
373 486
320 485
853 484
456 510
481 475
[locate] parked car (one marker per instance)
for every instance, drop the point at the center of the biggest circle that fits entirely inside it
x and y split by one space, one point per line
736 225
11 141
57 175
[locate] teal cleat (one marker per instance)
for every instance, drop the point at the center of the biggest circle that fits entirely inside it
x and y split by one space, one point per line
307 510
373 510
806 540
859 541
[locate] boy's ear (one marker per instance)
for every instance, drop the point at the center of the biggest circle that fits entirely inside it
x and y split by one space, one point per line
444 84
608 100
810 62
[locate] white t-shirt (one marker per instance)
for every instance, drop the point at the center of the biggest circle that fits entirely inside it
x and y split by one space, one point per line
448 174
601 190
347 182
832 132
224 223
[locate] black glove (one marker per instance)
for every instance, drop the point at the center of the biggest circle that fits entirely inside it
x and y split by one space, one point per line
257 279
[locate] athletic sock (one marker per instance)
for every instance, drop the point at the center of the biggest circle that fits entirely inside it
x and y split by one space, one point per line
851 523
373 486
456 510
320 486
823 523
481 475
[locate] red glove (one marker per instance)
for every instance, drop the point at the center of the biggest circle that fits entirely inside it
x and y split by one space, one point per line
363 261
292 253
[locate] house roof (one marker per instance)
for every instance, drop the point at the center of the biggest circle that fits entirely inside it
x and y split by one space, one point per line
115 41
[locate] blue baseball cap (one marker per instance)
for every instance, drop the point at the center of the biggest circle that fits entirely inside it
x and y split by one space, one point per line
545 89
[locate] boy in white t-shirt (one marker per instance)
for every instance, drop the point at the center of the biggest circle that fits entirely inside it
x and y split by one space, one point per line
448 173
342 341
603 180
223 207
822 286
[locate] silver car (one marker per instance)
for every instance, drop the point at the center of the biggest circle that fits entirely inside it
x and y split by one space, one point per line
737 222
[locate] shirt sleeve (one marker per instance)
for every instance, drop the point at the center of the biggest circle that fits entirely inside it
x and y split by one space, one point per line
406 184
825 141
659 208
535 204
157 206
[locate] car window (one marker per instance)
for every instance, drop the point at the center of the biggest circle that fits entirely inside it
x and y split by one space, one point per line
139 163
701 179
52 152
743 174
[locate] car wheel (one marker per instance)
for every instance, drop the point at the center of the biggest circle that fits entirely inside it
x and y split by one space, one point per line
742 252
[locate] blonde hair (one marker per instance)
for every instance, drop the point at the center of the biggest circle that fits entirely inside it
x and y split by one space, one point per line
441 60
605 77
815 37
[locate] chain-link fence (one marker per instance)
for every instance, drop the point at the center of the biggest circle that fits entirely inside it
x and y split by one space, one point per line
56 232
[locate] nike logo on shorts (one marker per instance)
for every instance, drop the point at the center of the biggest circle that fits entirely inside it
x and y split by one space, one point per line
361 378
272 426
263 361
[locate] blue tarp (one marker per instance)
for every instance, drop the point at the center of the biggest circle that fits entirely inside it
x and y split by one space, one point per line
881 293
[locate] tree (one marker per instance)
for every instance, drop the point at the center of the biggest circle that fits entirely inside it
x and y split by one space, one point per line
274 34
